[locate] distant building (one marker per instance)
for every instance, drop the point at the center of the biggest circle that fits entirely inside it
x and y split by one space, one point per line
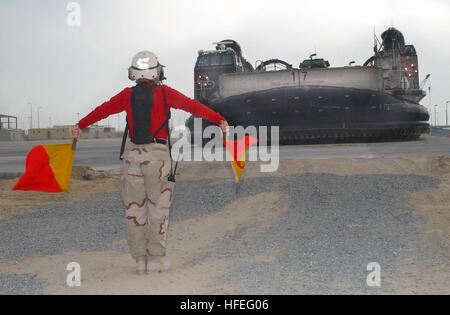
55 133
65 132
9 130
97 132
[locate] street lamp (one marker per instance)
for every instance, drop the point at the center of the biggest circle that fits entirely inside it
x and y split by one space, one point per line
31 115
39 108
446 113
435 115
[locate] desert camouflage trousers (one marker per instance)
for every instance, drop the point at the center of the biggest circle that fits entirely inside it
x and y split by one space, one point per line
147 195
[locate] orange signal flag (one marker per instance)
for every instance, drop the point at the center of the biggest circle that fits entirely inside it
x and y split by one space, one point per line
237 149
48 168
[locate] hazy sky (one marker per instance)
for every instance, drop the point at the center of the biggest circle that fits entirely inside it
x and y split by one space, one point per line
69 70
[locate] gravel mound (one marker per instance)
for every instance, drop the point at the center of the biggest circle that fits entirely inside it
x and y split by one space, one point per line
335 228
20 284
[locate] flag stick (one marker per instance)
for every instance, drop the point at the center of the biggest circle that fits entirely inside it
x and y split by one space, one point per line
74 144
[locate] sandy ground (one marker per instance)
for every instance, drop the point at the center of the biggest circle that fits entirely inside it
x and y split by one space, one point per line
17 203
112 273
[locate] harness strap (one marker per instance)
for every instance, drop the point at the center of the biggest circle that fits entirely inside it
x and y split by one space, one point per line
172 170
124 140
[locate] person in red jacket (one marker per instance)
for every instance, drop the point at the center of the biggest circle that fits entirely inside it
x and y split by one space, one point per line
147 188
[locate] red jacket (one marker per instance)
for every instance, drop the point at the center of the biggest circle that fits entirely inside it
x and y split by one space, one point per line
122 102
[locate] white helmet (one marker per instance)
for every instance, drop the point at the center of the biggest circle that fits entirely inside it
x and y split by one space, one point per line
145 65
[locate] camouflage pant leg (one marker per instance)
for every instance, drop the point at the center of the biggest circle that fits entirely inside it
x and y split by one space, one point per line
135 201
147 196
159 193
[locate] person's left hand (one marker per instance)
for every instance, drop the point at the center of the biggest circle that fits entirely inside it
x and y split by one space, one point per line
224 126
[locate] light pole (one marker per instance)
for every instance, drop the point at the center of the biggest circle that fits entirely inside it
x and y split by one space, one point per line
31 115
435 115
446 113
429 98
39 108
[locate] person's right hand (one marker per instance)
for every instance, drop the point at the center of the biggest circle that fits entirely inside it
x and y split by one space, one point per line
76 133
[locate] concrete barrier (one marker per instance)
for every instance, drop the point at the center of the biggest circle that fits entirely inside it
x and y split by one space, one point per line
10 175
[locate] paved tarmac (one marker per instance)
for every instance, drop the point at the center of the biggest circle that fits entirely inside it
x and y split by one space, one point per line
104 153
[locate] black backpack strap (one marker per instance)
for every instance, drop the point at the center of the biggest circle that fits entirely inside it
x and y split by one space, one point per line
124 140
168 114
165 123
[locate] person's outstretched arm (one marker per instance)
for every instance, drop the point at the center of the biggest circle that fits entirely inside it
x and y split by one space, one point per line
114 106
178 100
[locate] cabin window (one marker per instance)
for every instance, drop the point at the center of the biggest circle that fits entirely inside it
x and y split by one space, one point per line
227 59
203 60
410 50
215 60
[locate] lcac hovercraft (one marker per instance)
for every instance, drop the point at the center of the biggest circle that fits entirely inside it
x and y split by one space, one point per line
377 101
